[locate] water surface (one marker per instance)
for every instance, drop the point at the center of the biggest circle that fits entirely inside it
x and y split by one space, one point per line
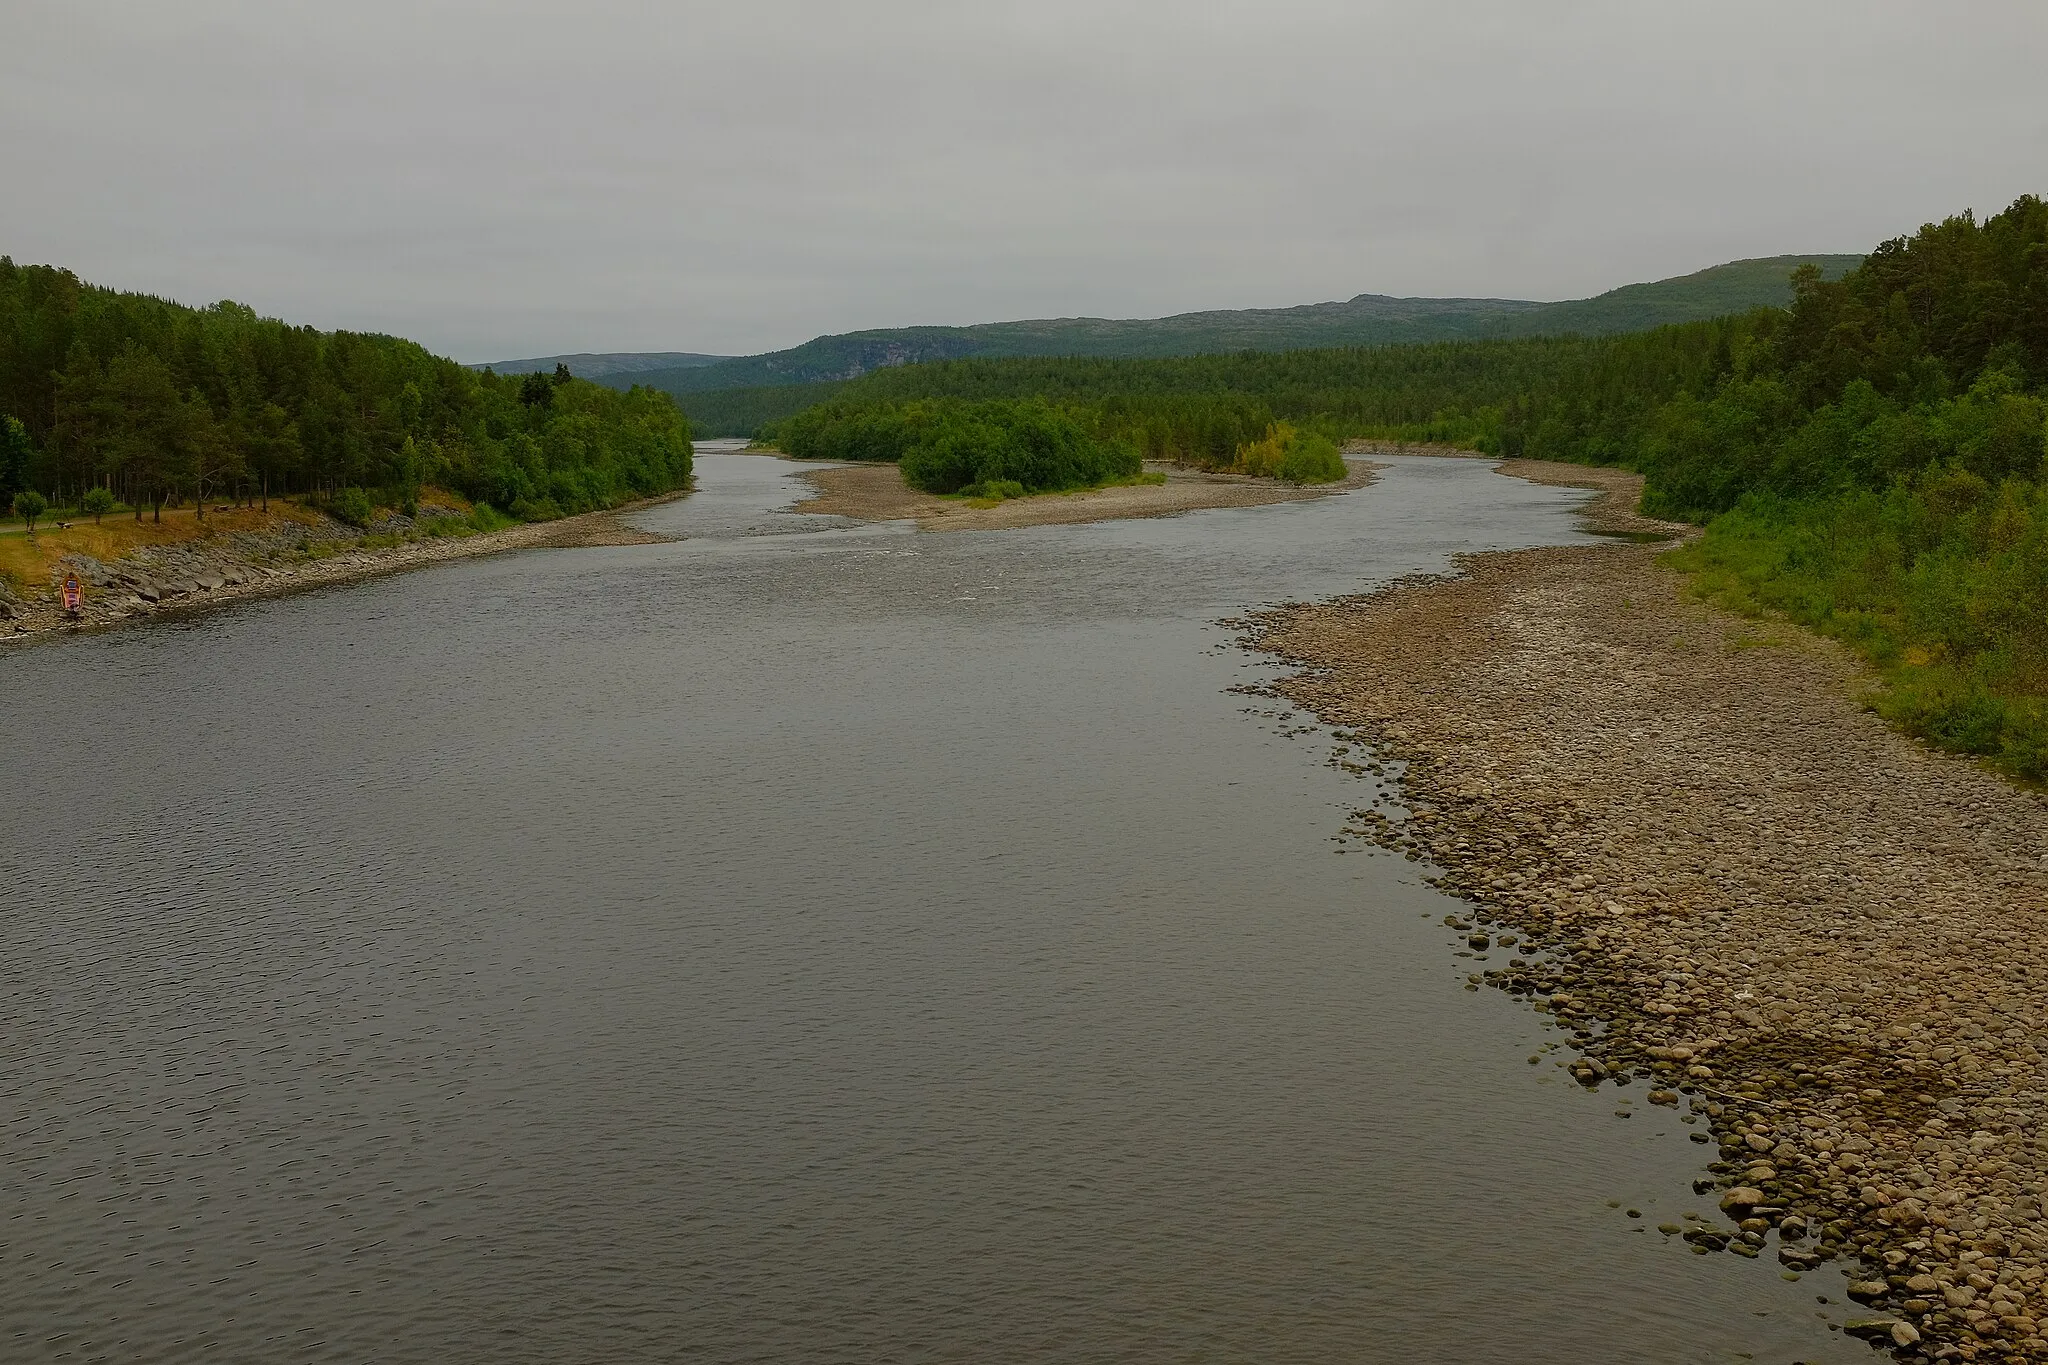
797 942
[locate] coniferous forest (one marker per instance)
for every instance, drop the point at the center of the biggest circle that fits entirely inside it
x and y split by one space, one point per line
159 403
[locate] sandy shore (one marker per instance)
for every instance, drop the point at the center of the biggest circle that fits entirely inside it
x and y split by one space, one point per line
1685 839
878 493
269 579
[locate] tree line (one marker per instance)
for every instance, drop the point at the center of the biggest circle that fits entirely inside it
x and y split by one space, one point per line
156 402
947 445
1200 410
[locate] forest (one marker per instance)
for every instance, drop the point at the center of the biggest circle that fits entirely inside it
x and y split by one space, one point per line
157 403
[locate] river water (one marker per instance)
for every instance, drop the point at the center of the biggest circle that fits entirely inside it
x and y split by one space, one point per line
797 942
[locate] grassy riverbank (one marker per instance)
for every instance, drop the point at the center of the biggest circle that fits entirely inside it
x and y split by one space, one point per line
1941 586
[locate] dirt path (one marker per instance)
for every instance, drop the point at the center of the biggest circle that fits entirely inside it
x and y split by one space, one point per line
1754 893
878 493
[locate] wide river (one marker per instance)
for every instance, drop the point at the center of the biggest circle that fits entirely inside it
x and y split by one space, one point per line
798 942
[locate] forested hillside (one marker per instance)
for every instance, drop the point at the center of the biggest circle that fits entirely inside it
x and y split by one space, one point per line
1354 391
159 402
610 365
1367 320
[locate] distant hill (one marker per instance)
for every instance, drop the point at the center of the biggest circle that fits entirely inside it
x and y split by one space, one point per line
1367 320
1714 292
590 366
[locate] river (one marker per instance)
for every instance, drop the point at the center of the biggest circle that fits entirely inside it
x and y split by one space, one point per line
799 941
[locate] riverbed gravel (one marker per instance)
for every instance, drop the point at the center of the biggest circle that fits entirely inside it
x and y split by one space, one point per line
1683 837
876 492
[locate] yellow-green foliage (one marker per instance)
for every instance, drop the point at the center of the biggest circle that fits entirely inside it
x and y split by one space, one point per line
1940 582
1287 453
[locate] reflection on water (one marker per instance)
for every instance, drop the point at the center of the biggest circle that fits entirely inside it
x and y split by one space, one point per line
797 941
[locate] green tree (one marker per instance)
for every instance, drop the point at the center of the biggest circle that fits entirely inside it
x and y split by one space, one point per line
143 421
271 440
537 390
16 452
98 501
28 505
205 457
78 435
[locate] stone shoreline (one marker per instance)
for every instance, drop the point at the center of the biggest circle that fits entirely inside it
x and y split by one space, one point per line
1684 839
215 571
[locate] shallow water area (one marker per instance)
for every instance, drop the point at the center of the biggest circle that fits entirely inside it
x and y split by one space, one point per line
801 940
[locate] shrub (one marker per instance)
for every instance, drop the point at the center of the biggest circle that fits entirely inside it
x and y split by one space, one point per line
535 509
485 517
1312 459
28 505
1032 444
1941 582
353 506
97 502
1290 454
945 446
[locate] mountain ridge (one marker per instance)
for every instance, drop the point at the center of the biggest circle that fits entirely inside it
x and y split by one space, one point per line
604 364
1362 320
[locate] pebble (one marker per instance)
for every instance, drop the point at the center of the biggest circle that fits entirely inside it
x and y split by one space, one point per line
287 550
1745 888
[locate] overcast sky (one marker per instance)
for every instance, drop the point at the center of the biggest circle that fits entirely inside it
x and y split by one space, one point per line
514 179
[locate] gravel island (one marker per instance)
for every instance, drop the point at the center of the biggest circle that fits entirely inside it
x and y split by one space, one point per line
877 492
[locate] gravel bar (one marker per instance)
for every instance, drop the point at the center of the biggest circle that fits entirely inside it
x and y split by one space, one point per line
1694 848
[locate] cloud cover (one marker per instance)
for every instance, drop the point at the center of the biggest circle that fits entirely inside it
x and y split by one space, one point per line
517 178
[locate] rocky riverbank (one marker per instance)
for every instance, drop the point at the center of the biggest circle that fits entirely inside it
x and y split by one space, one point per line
288 552
1683 838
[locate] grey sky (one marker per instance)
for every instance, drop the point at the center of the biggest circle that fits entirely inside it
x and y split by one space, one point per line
515 179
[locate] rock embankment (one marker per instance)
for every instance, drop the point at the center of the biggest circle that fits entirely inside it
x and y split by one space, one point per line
1737 886
287 554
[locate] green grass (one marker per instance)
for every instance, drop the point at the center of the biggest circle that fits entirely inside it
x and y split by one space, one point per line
1942 588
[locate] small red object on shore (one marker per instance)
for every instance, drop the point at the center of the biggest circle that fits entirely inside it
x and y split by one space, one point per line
71 594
